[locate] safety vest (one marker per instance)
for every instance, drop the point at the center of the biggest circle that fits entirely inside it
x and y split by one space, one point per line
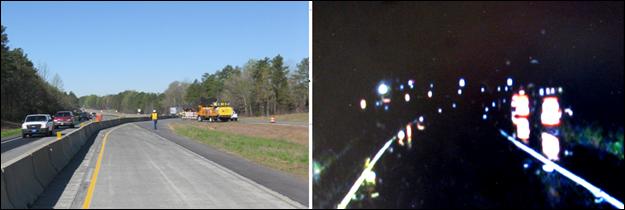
154 116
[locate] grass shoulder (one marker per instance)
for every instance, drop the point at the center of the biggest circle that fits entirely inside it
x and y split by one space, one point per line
280 154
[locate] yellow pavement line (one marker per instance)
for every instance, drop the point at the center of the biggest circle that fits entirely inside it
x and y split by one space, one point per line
94 177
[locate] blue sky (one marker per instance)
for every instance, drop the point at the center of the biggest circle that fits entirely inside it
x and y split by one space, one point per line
108 47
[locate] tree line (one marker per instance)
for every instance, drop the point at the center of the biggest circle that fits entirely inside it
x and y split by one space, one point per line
25 90
261 87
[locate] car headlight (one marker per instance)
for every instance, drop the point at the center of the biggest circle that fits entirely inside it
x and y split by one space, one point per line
23 126
43 125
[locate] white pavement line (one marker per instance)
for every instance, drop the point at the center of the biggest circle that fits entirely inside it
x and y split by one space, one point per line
251 182
364 173
594 190
11 139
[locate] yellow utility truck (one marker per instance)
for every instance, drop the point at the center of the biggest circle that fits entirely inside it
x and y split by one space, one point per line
215 112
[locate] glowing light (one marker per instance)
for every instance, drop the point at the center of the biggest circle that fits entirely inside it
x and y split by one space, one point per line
363 104
485 109
453 105
382 89
521 92
548 168
411 84
400 137
493 104
401 87
459 91
551 113
560 90
541 92
370 179
420 126
385 107
386 100
461 83
375 195
377 103
440 110
520 105
482 89
505 88
429 94
525 165
498 89
421 119
407 97
431 85
550 145
484 117
509 82
409 133
569 112
368 167
523 129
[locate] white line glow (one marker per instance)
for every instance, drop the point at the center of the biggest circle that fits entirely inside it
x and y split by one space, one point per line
363 175
594 190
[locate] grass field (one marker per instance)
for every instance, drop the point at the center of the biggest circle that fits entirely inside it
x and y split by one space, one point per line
284 155
11 132
297 117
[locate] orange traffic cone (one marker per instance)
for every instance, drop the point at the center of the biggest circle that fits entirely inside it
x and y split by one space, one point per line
273 120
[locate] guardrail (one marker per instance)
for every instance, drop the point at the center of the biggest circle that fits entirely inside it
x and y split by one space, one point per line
25 177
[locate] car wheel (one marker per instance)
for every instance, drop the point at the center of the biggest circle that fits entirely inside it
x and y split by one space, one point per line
24 136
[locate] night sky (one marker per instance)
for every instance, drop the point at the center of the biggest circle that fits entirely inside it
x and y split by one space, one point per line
578 46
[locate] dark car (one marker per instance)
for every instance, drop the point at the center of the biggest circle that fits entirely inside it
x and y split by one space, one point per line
65 118
84 116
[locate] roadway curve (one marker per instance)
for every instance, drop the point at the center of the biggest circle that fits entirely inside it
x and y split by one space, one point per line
143 168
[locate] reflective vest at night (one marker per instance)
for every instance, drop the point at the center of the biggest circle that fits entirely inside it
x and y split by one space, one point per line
154 116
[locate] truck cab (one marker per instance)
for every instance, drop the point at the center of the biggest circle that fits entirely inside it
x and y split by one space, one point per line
37 124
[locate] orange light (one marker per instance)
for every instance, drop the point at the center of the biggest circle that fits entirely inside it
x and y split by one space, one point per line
409 133
521 105
523 129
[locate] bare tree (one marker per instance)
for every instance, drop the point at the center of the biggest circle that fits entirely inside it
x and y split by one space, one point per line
57 82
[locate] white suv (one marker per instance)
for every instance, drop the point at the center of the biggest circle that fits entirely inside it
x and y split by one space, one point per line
37 124
235 116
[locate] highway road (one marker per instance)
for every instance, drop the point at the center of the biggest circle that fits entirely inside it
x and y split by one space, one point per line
15 146
133 166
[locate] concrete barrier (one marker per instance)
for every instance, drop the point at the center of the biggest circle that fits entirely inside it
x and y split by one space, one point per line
75 141
24 179
44 171
6 203
22 185
58 157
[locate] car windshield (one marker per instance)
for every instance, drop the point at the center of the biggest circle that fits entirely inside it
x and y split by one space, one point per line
37 118
62 114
